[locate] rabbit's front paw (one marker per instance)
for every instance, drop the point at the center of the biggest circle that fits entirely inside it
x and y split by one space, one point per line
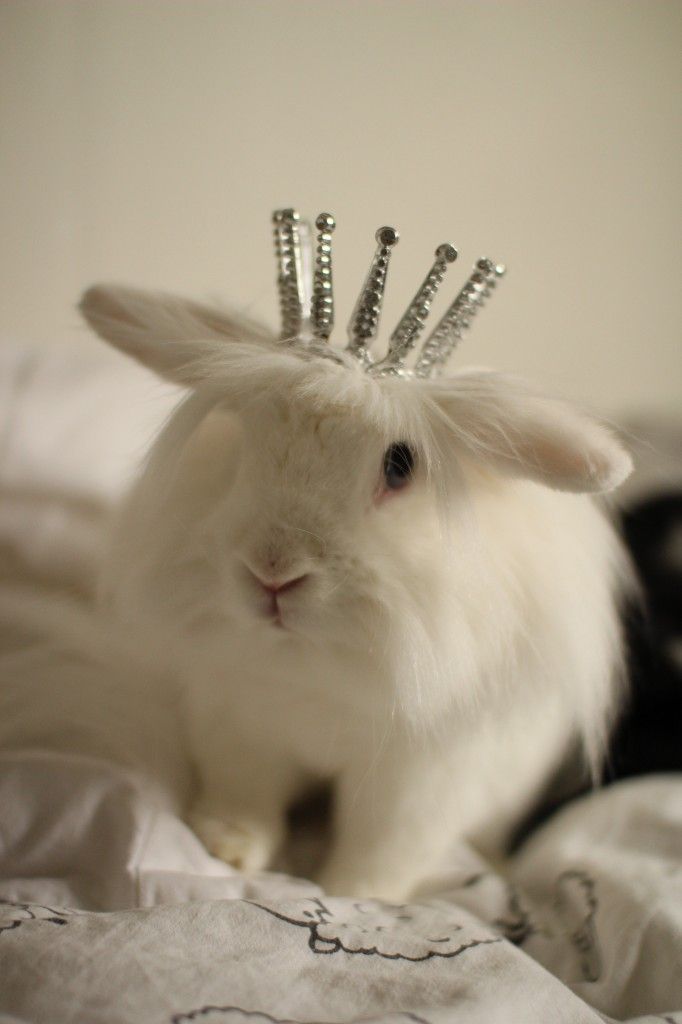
244 844
337 882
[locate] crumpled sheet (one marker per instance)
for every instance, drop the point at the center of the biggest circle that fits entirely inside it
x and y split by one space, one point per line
112 911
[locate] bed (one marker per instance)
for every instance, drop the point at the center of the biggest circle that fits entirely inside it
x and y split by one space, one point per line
112 911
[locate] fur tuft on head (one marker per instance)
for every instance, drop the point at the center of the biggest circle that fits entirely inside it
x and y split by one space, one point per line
498 420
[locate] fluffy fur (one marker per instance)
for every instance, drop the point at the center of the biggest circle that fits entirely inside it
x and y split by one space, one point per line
449 643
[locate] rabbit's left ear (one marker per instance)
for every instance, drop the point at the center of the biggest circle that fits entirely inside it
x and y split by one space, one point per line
502 423
169 334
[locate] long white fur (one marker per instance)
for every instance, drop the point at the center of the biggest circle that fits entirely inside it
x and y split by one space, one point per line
451 641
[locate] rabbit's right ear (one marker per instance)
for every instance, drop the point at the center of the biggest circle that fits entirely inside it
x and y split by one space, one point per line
506 425
166 333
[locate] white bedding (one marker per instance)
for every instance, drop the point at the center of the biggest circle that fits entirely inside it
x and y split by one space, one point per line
111 910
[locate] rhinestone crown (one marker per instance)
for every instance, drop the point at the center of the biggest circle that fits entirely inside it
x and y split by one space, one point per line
306 299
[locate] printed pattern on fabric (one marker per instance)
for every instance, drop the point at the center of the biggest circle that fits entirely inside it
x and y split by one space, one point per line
13 915
569 920
235 1015
414 932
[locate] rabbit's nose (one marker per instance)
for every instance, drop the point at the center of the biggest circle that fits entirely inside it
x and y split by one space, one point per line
275 587
279 586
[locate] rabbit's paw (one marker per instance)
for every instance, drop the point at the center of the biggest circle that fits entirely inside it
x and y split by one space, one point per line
244 844
337 882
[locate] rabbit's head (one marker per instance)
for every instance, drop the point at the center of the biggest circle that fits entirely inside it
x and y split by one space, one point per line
310 497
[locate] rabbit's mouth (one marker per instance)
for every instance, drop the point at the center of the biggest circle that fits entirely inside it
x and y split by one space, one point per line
281 615
275 610
274 598
275 617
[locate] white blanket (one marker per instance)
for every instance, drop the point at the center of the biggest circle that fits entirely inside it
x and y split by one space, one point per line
112 911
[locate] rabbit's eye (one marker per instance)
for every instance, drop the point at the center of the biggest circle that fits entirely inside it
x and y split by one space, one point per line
398 465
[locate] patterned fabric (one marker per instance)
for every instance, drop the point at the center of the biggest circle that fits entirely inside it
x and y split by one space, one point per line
112 912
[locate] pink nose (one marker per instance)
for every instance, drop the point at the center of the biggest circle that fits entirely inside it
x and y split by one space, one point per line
275 587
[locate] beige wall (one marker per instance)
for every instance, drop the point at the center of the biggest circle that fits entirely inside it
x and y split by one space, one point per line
148 141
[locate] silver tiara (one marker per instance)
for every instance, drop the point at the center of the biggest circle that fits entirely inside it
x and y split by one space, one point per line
306 297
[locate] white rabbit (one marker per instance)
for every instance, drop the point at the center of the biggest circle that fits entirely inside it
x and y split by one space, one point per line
384 583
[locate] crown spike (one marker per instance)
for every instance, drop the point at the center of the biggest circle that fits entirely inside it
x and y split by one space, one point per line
305 263
364 322
293 255
323 292
447 334
412 323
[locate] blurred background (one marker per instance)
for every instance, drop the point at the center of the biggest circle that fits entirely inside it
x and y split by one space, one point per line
147 142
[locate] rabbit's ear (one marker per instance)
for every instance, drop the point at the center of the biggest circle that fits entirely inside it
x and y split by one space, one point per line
502 423
165 332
